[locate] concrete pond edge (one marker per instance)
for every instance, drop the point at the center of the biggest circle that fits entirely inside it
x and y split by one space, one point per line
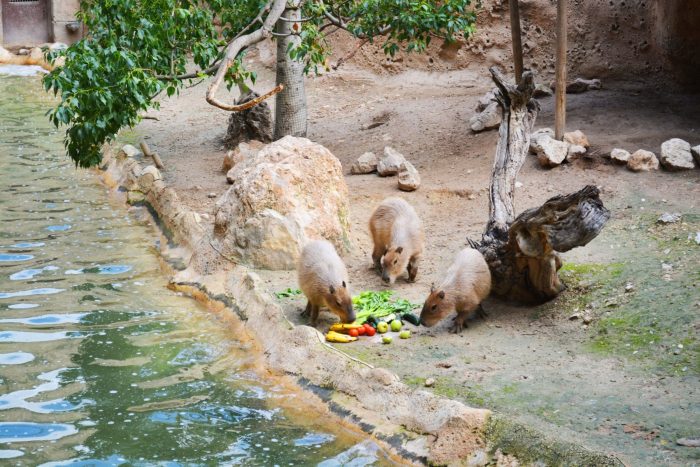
413 422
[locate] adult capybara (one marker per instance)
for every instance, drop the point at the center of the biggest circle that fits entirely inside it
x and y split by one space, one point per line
466 283
324 280
398 238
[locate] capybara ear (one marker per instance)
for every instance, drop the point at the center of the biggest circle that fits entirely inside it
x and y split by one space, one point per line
332 289
399 250
345 286
441 294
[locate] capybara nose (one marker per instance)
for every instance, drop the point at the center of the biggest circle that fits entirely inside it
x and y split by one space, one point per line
385 278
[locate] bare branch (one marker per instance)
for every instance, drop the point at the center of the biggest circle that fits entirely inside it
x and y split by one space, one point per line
352 53
235 47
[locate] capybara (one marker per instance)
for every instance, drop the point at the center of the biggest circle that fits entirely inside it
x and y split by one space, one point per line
466 284
324 280
398 238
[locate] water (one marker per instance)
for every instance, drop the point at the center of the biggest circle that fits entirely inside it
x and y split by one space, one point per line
101 364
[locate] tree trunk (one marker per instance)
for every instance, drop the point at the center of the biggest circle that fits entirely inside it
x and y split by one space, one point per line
290 104
522 252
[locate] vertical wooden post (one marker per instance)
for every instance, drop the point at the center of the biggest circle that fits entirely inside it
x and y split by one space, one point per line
560 92
516 38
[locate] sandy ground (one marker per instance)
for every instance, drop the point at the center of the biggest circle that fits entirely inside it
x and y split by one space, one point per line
532 363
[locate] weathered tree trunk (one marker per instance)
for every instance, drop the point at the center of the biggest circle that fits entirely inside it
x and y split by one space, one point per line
290 104
250 124
522 252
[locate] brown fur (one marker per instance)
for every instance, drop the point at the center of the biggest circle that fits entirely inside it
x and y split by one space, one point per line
398 238
466 283
324 280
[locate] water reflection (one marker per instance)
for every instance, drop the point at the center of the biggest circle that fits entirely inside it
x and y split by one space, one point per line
100 364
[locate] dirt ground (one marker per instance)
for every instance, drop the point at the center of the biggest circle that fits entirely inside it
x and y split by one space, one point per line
602 384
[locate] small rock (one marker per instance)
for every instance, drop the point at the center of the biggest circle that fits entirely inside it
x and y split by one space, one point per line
629 287
578 138
518 184
534 138
587 319
582 85
551 152
668 218
575 316
642 160
365 164
542 90
675 155
128 151
575 151
390 163
409 178
697 237
666 267
23 52
211 195
695 151
429 383
619 156
489 118
689 442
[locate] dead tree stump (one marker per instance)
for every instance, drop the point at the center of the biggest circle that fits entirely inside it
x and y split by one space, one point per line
251 124
522 252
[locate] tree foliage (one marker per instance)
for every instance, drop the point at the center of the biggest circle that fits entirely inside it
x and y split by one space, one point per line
137 49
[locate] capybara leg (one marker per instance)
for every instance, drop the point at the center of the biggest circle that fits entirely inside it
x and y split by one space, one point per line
481 313
412 269
314 314
459 322
377 258
307 310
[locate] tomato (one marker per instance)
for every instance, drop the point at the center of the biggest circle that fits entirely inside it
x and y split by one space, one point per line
367 328
361 331
371 331
353 333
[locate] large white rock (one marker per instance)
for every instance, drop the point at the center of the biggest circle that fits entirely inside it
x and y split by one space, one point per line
675 155
577 138
642 161
409 178
241 152
489 118
390 162
550 152
289 192
534 138
485 100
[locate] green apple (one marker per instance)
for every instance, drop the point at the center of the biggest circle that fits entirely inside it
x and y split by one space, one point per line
382 327
396 325
405 334
386 339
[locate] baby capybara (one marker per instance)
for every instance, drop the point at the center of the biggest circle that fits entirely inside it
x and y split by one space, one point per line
398 238
466 283
324 280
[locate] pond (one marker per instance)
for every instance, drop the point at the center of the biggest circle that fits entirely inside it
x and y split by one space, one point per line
100 363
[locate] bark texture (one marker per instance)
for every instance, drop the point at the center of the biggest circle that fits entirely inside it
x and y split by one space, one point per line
251 124
522 252
290 104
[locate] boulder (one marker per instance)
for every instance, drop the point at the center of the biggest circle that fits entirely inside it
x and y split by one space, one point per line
489 118
128 151
289 192
242 151
580 85
550 152
675 155
669 218
642 161
695 151
542 90
575 151
619 156
534 138
409 178
577 137
390 162
365 164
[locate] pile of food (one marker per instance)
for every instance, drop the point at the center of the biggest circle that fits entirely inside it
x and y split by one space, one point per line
376 312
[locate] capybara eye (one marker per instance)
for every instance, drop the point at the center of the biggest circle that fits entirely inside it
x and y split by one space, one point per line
344 286
396 261
434 308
